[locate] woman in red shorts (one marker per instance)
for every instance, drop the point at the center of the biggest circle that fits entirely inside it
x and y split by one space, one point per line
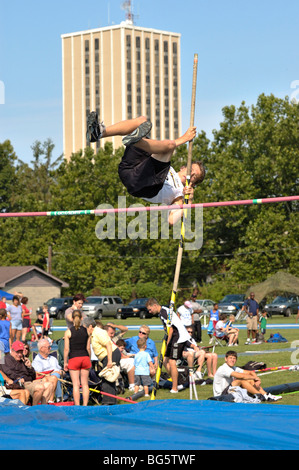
77 357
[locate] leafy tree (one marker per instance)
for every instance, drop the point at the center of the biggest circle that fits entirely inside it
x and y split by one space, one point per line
7 175
253 154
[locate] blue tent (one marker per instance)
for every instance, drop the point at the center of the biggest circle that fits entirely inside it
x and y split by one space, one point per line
6 294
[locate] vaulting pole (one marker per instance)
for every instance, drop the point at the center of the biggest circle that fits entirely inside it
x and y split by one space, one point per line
181 244
189 165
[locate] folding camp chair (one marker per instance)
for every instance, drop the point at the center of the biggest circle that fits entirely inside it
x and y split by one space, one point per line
218 340
183 363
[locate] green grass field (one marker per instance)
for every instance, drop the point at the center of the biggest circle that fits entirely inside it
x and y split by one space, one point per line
273 355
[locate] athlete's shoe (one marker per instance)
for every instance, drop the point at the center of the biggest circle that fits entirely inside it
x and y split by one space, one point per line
94 128
142 131
198 375
270 397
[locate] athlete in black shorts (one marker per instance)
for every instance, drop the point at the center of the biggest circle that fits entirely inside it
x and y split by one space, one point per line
146 162
175 343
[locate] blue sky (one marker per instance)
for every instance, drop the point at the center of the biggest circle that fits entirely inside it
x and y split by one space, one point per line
245 48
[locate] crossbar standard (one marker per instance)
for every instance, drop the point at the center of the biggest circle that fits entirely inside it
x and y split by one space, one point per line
149 209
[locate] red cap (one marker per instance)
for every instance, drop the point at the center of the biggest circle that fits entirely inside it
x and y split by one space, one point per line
17 346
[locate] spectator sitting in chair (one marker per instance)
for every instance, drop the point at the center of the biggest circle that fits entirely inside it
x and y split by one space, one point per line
127 363
127 359
220 327
18 368
190 354
111 330
232 332
15 394
131 345
225 331
48 367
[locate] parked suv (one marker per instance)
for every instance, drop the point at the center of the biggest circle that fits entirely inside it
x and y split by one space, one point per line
57 307
283 306
231 304
101 306
136 308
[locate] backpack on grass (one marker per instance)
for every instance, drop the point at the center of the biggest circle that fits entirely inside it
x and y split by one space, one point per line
277 338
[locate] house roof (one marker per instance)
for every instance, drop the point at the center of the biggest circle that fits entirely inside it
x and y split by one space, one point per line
10 273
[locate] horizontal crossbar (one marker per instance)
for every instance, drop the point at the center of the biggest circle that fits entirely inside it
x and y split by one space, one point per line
149 208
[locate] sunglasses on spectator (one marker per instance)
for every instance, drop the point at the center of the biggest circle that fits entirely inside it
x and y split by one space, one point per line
142 332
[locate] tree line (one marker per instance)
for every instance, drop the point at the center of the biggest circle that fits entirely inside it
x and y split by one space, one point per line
254 154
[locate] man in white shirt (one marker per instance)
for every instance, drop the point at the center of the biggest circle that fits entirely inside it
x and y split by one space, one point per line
229 375
48 367
185 313
145 167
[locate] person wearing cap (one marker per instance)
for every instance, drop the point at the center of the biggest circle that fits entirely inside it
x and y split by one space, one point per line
15 394
185 313
19 369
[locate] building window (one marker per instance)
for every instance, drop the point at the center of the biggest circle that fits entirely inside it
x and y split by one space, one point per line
175 88
147 78
166 89
87 81
97 79
157 86
138 75
129 76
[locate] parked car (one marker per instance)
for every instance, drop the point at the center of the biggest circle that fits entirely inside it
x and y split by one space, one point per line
136 308
206 305
57 307
283 306
231 303
101 306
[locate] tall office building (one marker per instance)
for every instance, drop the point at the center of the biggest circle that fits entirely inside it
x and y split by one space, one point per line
121 72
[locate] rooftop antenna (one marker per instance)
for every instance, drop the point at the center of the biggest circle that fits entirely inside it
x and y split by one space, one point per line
128 7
